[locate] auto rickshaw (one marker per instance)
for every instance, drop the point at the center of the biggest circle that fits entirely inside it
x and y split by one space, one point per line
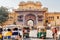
41 33
26 31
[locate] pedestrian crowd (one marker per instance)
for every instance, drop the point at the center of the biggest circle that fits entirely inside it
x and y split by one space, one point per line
10 34
14 34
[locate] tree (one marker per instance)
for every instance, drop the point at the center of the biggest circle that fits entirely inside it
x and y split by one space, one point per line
3 15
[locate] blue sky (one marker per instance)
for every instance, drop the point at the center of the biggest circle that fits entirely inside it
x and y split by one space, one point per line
52 5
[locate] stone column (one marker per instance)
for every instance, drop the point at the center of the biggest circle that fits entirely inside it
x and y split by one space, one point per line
36 19
23 20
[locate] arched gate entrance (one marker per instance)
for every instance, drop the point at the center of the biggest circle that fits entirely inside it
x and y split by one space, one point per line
30 20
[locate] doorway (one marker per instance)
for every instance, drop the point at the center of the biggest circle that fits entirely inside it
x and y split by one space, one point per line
30 23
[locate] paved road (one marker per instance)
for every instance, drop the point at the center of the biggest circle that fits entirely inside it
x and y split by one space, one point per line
36 39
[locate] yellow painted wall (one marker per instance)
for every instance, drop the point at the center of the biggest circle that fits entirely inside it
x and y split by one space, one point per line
34 6
55 21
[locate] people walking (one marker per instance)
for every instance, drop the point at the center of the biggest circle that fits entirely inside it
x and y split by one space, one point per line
8 34
54 33
20 37
41 33
1 37
15 34
26 31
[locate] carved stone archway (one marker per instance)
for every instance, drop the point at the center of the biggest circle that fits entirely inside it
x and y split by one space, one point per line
30 17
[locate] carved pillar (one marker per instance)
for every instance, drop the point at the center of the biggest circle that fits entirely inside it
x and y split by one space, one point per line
36 19
23 20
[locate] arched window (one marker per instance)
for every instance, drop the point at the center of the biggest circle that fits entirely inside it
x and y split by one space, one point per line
20 18
40 18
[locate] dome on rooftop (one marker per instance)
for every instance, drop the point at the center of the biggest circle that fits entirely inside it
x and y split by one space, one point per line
38 3
30 2
21 3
